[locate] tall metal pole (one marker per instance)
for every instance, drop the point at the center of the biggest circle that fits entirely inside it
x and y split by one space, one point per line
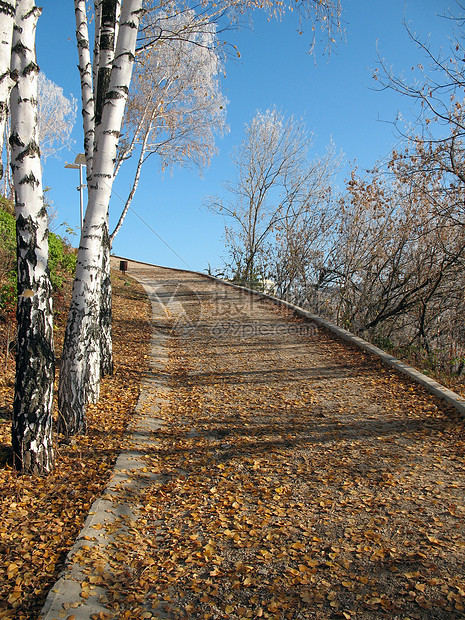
81 198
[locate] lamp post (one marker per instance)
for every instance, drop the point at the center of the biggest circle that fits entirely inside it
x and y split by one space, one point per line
79 163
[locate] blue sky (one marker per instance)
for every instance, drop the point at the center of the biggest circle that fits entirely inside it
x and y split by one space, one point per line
335 95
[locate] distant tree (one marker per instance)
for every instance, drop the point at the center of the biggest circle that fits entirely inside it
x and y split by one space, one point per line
275 190
395 271
430 170
303 237
57 115
268 163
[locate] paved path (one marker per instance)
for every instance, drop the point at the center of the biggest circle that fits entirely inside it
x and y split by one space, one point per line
275 472
110 515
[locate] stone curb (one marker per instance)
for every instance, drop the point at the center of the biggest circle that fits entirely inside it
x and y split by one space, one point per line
452 398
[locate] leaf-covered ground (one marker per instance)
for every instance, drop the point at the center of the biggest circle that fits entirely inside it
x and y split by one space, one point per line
40 517
298 478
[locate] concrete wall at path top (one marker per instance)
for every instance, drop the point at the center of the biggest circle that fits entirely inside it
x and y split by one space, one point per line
432 386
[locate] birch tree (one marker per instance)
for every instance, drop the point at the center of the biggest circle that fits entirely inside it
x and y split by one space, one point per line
80 369
32 409
174 110
104 55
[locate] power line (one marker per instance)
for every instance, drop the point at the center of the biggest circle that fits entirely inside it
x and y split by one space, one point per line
159 237
115 193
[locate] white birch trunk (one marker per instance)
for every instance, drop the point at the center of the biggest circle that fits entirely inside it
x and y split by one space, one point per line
106 52
106 47
106 346
32 409
80 369
107 12
87 92
97 24
106 353
7 15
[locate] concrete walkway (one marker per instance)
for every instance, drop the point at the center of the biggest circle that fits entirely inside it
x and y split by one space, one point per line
274 426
